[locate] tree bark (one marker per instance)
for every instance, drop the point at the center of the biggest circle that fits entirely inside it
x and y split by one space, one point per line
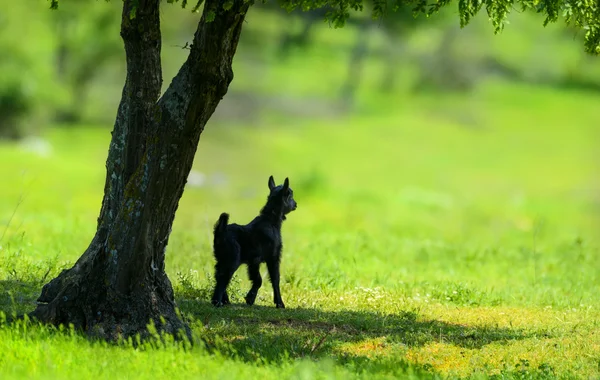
119 284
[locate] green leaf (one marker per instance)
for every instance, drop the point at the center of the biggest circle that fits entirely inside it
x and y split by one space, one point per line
210 16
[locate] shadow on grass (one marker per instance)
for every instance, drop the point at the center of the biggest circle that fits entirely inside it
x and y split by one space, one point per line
362 340
294 329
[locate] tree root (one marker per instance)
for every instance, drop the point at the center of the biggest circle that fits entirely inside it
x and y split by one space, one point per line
83 300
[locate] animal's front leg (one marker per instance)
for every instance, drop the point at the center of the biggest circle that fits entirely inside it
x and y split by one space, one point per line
273 267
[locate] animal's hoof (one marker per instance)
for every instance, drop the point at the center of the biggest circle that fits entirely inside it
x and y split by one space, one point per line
250 299
280 305
217 303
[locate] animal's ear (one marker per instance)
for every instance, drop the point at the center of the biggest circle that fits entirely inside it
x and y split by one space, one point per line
286 184
271 183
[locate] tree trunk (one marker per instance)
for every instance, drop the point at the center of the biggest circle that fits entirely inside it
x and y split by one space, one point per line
290 40
356 63
119 284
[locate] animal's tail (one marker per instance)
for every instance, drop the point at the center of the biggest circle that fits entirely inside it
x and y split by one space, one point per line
220 240
220 226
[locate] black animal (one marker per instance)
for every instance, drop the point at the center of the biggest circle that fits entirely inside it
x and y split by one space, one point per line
257 242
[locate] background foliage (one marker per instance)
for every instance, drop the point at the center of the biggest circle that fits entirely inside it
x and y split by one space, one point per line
67 66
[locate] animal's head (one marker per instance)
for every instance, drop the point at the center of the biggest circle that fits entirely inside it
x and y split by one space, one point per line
282 195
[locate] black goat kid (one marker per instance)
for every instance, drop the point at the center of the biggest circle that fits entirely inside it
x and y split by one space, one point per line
257 242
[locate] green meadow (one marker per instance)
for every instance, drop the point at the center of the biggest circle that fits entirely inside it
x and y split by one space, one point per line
422 245
437 235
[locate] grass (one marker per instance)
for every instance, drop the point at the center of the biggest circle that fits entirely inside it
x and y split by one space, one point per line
453 237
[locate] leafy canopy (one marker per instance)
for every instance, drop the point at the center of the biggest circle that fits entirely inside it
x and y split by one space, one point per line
583 14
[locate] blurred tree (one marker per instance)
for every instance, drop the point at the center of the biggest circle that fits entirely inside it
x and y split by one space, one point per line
119 283
396 26
86 42
291 38
27 91
444 70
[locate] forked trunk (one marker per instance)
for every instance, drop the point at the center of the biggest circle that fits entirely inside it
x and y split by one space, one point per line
119 284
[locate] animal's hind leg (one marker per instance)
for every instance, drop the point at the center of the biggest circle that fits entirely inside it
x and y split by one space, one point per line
254 275
224 270
225 298
223 275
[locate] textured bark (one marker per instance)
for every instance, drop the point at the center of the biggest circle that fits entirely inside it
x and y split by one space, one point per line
119 284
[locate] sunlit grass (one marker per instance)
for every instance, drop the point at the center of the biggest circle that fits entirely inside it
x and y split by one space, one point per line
454 236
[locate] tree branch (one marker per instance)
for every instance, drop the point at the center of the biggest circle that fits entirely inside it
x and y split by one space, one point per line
140 31
204 78
169 135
